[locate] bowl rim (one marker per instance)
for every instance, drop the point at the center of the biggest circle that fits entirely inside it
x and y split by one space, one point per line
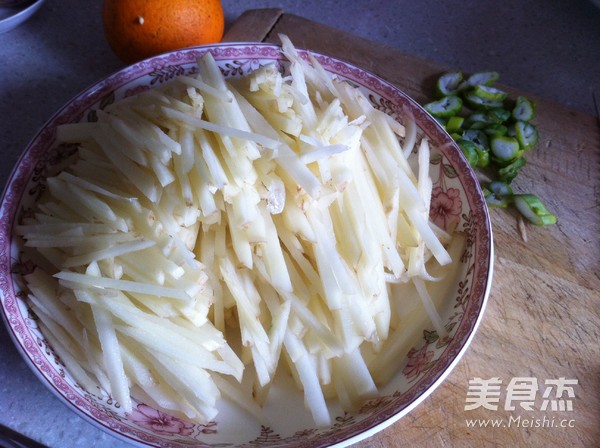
18 15
18 179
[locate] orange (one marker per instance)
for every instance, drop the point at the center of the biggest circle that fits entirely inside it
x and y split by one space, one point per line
138 29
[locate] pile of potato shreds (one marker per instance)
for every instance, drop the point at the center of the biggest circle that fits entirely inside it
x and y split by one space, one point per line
211 232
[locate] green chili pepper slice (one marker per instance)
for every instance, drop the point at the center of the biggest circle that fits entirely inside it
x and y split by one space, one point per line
495 129
483 154
477 125
498 194
500 188
498 115
469 150
477 102
481 119
476 136
509 172
483 78
524 109
454 124
491 133
448 83
480 140
526 134
444 108
477 120
489 93
494 201
504 149
533 209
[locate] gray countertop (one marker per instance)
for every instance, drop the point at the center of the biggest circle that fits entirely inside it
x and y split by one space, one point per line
549 48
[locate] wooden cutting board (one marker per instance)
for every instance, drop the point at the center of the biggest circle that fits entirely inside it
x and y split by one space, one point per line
542 321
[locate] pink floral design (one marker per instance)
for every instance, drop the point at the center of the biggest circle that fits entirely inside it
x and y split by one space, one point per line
159 422
417 361
209 428
446 207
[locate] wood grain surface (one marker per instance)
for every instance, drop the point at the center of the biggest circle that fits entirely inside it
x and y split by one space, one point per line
543 316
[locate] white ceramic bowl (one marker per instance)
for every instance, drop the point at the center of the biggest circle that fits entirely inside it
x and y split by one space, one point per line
456 199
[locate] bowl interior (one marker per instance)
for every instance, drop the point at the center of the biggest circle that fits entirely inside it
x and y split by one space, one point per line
457 201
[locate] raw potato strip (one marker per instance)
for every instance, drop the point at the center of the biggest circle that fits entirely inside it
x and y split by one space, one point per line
387 170
132 238
284 211
113 361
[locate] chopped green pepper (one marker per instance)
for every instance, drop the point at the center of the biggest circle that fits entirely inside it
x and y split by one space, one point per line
495 201
524 109
469 149
477 102
480 140
498 115
498 194
490 131
483 154
446 107
489 93
448 83
495 129
526 134
476 136
500 188
509 172
492 201
454 123
504 149
477 120
483 78
481 119
533 209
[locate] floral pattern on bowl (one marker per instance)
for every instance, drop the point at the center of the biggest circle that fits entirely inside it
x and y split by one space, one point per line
457 203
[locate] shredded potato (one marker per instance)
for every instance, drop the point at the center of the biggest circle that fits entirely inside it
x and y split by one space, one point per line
285 212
